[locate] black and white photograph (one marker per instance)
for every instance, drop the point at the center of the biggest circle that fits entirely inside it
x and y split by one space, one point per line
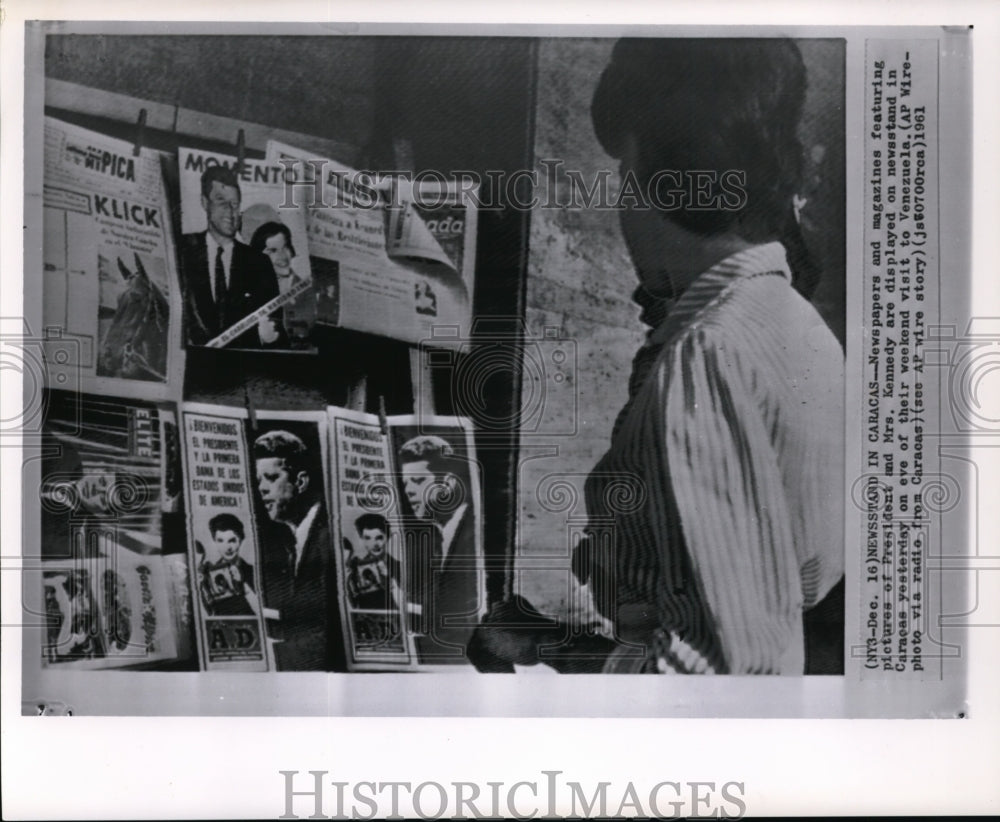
372 569
437 483
261 547
110 283
655 382
504 386
112 545
238 254
298 564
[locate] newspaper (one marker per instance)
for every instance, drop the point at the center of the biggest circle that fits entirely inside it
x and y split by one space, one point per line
111 302
370 556
109 612
111 502
402 567
407 508
259 533
392 257
225 569
270 230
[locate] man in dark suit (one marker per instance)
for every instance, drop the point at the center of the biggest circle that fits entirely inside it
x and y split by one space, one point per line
299 570
443 562
224 280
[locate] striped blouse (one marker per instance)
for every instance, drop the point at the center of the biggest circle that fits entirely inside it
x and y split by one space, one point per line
717 513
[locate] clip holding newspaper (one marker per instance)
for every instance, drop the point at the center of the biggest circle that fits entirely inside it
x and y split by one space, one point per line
111 308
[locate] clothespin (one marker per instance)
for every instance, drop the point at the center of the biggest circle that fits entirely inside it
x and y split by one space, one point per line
383 421
140 133
251 409
241 151
402 153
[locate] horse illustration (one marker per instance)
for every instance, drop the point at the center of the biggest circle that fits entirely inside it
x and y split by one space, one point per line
135 346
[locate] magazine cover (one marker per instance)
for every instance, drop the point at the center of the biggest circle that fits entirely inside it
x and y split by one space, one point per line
244 256
437 485
263 562
112 534
407 505
109 466
110 293
111 611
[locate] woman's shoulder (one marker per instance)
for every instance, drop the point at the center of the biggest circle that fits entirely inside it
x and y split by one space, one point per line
761 322
763 304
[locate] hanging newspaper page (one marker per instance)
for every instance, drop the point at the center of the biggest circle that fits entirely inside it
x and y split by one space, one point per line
111 504
243 256
438 516
407 512
376 611
391 257
223 537
108 611
259 533
436 222
111 306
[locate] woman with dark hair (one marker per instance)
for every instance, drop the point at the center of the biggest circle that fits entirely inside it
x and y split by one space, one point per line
274 240
715 517
733 430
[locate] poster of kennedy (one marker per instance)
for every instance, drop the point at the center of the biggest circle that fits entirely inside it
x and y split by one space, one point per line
263 562
298 571
439 504
244 261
